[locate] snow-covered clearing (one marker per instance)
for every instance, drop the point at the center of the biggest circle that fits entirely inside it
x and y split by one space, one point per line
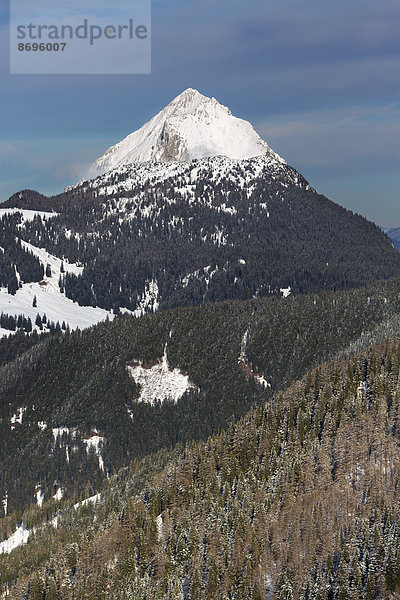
49 299
5 504
160 528
19 537
58 495
159 382
58 432
21 534
16 419
27 215
39 496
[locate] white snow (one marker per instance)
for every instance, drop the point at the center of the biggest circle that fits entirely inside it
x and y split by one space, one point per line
93 499
42 425
149 299
27 215
191 127
16 419
5 504
242 356
5 332
54 262
59 494
140 179
95 441
285 291
19 537
39 496
160 527
160 382
59 431
49 299
205 274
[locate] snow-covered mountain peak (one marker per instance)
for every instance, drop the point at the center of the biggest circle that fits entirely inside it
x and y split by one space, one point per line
190 127
191 99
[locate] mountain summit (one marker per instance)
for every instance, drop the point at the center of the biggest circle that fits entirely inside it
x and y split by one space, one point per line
191 127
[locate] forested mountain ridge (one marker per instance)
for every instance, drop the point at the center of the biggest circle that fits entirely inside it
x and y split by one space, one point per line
155 236
195 207
88 409
299 500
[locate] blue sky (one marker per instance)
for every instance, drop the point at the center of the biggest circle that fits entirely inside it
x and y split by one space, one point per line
318 80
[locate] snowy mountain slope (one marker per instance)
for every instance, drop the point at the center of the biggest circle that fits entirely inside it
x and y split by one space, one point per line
195 207
146 233
215 170
394 234
159 381
191 127
49 299
27 215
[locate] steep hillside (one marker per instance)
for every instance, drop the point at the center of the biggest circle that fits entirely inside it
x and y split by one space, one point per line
98 398
298 500
153 236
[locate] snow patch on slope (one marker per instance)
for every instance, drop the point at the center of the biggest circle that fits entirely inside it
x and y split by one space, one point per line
148 302
59 494
28 215
18 538
16 419
159 382
285 291
58 432
39 495
95 441
93 499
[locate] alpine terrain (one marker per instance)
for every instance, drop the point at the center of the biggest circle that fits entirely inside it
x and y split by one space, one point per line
199 378
191 208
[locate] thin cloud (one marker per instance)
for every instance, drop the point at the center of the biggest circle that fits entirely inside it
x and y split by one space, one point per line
7 150
345 140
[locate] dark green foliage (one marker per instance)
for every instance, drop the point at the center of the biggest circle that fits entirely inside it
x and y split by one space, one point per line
299 500
14 257
211 240
15 322
80 381
15 345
